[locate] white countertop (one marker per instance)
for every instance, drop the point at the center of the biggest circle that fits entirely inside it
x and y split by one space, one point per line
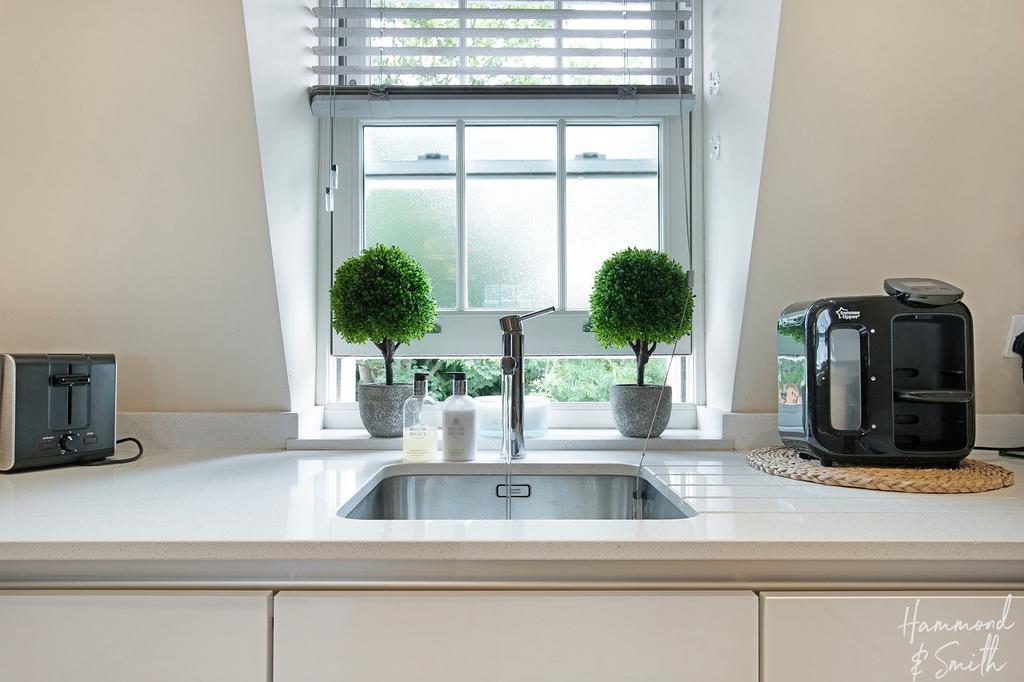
184 513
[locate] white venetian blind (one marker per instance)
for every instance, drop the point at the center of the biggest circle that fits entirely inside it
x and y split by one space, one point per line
500 43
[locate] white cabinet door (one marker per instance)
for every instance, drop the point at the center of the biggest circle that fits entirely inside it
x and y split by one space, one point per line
515 636
892 637
115 636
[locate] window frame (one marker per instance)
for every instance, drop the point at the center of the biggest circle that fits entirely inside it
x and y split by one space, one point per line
559 334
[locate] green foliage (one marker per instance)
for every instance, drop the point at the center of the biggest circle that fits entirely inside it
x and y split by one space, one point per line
486 61
640 294
561 379
792 373
591 379
483 375
640 299
792 370
475 61
383 296
792 327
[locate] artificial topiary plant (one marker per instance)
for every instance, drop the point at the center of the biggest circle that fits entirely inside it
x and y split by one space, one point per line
640 298
383 296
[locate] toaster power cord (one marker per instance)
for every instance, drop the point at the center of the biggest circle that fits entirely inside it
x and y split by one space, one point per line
1017 450
125 460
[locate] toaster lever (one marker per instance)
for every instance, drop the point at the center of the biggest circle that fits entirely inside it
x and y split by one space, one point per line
69 379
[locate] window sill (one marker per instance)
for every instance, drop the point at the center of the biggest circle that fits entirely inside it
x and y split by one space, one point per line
574 417
556 439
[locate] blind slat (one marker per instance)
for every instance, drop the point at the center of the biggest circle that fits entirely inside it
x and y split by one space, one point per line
499 51
518 43
407 32
486 13
343 70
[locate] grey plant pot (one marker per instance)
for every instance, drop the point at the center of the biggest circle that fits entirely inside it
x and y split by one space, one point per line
380 408
633 407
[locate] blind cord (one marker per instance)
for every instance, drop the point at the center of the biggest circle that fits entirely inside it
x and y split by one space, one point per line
637 497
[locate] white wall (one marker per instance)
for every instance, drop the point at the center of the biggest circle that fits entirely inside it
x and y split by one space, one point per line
279 56
739 44
132 214
134 217
895 147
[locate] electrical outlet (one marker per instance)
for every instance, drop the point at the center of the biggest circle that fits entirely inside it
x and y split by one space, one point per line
1016 329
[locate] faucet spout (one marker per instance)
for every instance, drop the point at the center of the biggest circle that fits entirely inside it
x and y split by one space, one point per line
512 409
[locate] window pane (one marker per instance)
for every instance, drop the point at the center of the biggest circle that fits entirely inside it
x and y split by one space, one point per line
611 199
403 146
511 216
409 198
388 59
624 61
516 42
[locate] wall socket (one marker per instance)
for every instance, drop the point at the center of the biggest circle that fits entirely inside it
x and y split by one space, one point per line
1016 328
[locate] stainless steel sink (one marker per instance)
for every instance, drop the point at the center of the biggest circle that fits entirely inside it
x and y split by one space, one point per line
539 491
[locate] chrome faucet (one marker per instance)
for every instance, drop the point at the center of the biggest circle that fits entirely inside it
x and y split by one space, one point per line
512 402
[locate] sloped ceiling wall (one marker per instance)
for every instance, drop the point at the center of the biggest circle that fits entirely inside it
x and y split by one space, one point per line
132 212
894 148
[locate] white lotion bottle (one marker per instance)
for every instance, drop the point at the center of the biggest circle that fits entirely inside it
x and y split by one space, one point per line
419 422
459 423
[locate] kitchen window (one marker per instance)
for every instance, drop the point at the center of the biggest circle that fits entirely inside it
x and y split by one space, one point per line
507 216
513 200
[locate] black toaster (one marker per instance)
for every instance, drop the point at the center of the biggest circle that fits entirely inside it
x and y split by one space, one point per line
56 409
879 379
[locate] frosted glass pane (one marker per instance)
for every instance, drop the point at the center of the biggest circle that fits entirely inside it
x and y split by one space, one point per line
393 143
513 242
511 216
605 215
615 142
608 212
417 214
503 143
409 198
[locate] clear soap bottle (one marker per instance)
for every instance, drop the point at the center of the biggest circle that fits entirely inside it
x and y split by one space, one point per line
459 423
419 424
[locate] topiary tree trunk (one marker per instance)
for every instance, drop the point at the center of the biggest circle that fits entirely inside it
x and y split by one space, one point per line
387 348
643 353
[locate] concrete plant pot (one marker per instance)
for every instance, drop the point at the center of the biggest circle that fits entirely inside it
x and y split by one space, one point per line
380 408
633 408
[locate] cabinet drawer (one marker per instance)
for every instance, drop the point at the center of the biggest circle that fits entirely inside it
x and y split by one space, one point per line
515 636
129 636
897 636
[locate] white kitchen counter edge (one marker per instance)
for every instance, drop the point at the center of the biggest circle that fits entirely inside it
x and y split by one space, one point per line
278 507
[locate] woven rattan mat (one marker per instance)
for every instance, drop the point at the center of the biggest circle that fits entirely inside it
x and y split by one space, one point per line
971 477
